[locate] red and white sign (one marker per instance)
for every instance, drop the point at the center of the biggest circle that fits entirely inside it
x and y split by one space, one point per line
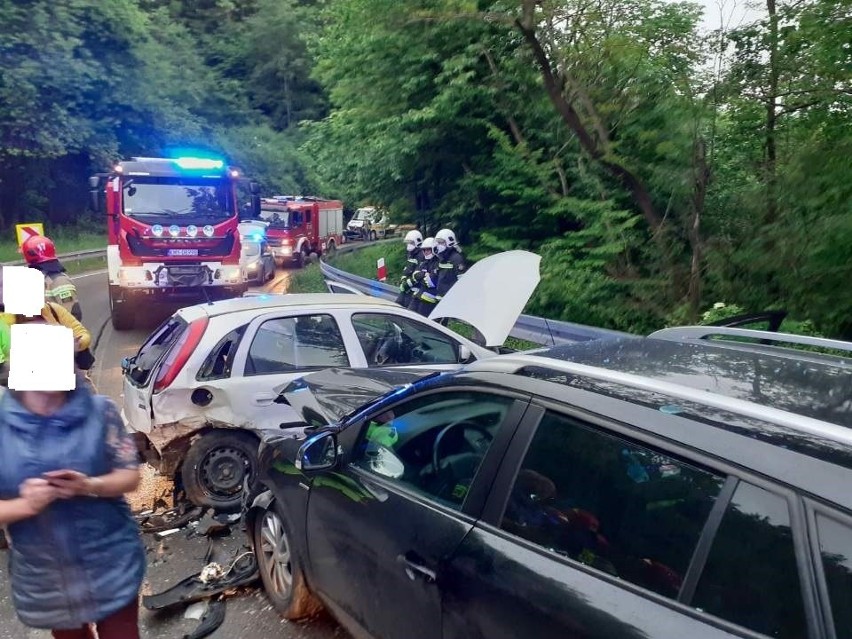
381 269
26 231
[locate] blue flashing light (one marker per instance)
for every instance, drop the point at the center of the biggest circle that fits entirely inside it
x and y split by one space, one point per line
257 237
199 163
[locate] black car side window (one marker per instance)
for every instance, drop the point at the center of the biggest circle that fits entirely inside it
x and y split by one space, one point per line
619 507
835 544
219 362
433 444
751 577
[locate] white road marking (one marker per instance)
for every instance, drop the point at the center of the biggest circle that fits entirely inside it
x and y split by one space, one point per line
81 276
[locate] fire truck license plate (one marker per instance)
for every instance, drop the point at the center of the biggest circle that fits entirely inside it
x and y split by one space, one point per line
183 252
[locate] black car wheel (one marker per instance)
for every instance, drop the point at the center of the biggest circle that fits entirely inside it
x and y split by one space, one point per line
215 468
279 567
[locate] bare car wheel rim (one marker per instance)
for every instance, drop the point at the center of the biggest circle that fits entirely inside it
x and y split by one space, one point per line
275 554
223 471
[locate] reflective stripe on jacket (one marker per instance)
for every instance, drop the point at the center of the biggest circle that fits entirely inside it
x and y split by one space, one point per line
59 289
451 266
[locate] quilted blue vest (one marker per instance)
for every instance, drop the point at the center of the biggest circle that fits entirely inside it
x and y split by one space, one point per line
81 559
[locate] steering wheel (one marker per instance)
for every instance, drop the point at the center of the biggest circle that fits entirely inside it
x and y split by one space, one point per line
391 347
462 423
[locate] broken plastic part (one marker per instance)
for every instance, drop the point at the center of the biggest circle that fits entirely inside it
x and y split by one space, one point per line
211 620
173 518
211 525
242 572
197 610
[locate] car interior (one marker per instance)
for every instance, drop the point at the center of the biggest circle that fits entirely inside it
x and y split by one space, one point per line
396 341
437 447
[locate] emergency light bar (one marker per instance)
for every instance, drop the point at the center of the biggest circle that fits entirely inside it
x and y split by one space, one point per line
199 163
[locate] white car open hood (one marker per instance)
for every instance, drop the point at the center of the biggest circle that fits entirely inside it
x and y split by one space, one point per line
492 294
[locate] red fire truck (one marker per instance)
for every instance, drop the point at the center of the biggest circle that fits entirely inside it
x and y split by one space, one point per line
301 225
172 232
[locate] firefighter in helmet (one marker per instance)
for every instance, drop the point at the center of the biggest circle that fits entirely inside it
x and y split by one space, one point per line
425 279
414 255
451 262
40 253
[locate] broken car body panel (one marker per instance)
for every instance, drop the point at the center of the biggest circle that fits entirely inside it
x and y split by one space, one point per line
330 395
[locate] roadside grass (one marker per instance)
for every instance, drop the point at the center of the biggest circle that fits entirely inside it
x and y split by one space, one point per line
307 280
68 239
362 261
75 267
466 330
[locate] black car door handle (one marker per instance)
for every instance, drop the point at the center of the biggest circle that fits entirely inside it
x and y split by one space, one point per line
414 568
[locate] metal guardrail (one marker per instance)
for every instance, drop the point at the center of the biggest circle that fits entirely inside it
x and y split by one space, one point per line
76 256
528 327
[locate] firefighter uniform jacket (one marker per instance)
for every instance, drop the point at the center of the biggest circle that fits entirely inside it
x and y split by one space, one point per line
412 261
59 289
57 315
451 265
426 280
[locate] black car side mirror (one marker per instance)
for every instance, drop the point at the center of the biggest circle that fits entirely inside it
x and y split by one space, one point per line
318 453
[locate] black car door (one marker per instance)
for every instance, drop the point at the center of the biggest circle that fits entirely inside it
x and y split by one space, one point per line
408 490
592 534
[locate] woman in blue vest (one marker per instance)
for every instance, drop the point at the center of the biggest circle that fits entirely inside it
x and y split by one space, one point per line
76 558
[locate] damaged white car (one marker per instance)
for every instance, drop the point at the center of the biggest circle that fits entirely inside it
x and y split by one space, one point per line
210 375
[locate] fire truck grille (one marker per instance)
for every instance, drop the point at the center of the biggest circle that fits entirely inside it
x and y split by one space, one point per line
188 275
140 248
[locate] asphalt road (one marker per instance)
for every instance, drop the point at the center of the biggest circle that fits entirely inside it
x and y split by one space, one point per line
249 613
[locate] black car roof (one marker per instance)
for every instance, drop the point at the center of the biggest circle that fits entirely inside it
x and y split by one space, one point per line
814 389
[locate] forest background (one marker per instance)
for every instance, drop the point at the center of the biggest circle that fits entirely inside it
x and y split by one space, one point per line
657 168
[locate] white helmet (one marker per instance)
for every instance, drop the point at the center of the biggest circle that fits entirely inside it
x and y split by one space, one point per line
429 245
414 237
447 237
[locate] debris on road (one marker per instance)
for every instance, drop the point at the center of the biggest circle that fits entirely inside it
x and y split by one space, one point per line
173 518
212 619
155 491
213 525
220 575
196 611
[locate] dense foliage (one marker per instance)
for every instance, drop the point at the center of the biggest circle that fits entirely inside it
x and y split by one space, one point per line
657 170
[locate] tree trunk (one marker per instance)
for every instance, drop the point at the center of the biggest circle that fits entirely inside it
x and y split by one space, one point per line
772 118
630 181
701 177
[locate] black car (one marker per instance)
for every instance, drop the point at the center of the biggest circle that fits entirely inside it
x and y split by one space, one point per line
669 486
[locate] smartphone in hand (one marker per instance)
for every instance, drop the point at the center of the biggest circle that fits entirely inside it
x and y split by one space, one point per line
61 475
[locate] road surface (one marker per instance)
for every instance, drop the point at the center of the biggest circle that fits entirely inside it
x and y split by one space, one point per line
248 614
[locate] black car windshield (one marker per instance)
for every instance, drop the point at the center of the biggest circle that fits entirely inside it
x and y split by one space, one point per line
276 219
180 200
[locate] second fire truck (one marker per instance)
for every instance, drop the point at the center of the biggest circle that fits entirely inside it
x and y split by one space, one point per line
301 225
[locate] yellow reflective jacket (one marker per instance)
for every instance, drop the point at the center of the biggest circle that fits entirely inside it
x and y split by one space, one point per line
57 315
